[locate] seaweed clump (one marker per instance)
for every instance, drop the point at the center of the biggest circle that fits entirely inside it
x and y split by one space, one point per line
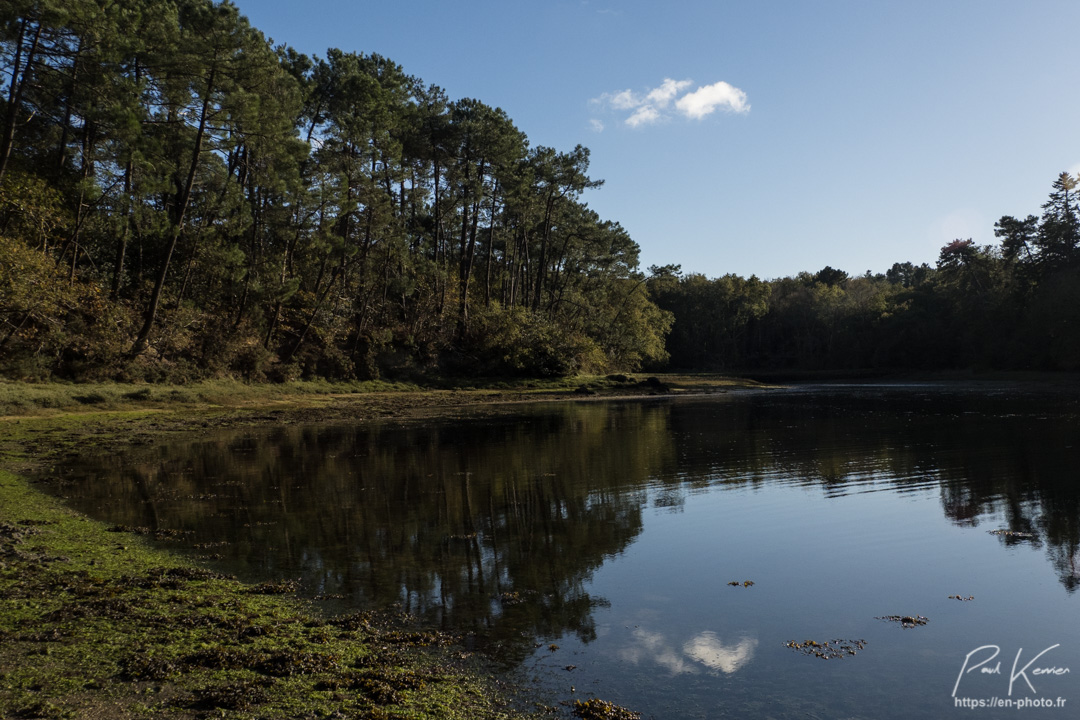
240 696
1012 533
828 650
596 709
281 587
906 621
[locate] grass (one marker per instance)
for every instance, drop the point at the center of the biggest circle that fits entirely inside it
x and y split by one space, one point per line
26 398
18 399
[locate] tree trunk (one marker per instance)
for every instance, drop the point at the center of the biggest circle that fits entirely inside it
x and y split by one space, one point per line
141 341
66 126
15 93
122 241
541 265
490 248
311 318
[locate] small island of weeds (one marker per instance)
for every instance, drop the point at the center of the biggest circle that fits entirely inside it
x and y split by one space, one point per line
96 623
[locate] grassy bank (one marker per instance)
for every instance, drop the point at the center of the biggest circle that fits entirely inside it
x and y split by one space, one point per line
47 398
96 623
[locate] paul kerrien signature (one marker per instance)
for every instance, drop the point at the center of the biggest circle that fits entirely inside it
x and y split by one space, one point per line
1014 675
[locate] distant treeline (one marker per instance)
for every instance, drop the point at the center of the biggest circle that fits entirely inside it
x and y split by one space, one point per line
180 199
1012 306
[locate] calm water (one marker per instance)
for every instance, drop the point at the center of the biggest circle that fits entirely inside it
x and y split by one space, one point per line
612 530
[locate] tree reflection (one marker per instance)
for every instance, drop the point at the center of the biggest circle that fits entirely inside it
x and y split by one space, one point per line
494 525
490 526
1010 459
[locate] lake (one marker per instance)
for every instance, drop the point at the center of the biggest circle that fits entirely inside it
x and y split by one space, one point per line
765 554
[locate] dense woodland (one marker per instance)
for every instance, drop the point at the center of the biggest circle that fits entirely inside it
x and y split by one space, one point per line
181 198
1014 305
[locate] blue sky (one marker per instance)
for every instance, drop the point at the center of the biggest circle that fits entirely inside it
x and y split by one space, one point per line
757 137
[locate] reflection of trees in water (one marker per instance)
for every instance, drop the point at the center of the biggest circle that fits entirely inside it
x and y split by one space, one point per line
494 525
486 525
1061 527
1013 457
1025 472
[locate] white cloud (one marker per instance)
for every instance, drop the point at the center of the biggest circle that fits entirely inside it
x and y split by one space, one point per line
709 98
625 100
597 126
653 105
668 89
645 115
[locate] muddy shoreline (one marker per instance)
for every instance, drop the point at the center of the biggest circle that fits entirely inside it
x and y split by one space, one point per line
97 622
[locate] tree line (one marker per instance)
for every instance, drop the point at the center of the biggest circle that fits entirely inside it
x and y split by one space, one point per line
1012 305
179 197
182 198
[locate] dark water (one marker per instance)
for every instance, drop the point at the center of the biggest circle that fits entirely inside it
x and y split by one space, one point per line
613 529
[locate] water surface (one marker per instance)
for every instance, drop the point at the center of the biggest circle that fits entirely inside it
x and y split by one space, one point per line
591 545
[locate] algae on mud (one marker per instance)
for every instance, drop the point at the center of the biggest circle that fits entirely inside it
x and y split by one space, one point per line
95 624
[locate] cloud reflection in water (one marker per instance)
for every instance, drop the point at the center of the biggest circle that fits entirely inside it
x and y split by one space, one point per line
705 649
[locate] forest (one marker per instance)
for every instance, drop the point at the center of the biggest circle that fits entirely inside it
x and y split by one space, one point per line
181 198
1014 305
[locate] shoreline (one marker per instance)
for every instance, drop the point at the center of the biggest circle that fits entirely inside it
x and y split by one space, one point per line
99 623
96 623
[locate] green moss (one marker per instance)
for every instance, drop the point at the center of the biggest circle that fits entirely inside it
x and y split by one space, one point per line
44 398
93 619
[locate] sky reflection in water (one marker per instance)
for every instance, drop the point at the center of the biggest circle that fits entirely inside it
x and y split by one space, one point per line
613 529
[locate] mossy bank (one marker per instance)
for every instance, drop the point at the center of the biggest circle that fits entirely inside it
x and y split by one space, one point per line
96 622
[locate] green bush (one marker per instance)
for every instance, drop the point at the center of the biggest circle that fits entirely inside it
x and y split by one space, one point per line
517 341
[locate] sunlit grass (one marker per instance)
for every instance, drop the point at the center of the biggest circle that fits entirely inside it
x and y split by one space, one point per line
18 398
